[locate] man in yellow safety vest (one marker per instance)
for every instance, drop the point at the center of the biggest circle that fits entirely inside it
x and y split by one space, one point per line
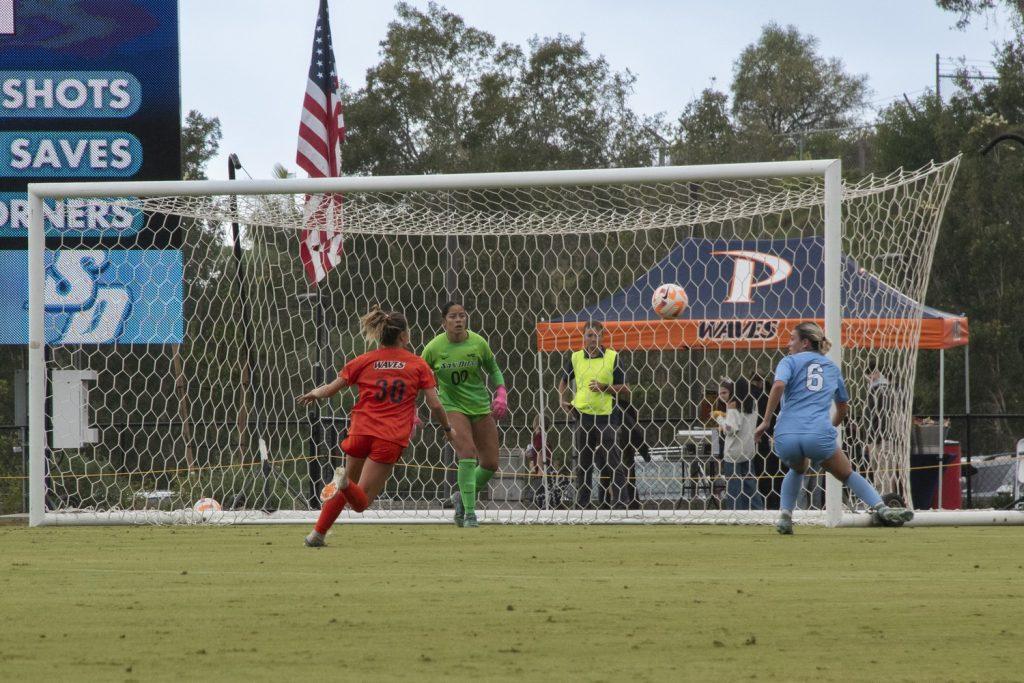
598 381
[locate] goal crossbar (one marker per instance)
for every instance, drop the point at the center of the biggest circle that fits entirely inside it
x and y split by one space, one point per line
452 181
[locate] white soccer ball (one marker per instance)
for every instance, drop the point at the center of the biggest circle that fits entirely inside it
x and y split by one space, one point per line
669 301
206 505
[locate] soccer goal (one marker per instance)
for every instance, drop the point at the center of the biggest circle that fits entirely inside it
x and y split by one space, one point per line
172 326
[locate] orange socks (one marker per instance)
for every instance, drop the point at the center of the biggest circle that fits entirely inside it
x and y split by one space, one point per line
330 511
356 497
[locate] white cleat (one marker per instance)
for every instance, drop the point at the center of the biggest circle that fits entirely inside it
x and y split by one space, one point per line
339 474
315 539
328 491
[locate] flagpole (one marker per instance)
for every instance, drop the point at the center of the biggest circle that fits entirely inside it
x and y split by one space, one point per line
320 433
326 432
321 132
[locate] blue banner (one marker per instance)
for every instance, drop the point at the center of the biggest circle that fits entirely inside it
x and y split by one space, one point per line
97 297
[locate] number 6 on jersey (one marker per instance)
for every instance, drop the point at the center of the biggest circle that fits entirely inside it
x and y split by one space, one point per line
815 377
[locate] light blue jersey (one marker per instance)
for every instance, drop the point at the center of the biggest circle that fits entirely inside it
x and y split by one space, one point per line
813 382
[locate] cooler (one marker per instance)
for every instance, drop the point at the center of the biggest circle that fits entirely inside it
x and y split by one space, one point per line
952 495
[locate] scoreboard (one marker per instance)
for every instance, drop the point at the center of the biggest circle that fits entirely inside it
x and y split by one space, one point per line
89 91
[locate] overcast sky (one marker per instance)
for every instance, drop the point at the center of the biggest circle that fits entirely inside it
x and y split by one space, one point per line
245 61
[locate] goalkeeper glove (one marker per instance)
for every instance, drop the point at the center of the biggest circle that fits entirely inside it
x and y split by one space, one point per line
499 406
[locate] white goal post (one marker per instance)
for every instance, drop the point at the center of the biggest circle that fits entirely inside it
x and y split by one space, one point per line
189 394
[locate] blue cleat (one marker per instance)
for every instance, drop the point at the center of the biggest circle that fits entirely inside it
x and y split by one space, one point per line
460 510
785 525
887 516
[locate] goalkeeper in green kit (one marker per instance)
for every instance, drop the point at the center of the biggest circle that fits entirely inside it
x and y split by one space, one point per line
459 359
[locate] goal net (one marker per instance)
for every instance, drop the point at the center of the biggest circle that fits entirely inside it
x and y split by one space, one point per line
180 326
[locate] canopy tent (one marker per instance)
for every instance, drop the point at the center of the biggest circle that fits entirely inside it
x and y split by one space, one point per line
750 294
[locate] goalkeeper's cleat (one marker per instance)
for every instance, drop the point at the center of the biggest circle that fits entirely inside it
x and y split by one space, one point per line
887 516
470 521
328 491
785 524
315 539
460 510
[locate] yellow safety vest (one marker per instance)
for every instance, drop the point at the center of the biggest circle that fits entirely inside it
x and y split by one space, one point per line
585 369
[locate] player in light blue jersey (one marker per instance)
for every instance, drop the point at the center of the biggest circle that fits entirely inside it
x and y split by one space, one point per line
808 383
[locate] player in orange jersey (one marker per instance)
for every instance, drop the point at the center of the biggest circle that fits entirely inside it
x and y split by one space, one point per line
389 380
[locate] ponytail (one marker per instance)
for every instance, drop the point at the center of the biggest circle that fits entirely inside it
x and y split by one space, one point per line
813 333
382 326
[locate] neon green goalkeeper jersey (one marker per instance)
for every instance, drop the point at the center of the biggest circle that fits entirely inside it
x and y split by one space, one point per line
460 370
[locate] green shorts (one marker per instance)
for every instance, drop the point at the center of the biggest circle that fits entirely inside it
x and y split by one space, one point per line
473 416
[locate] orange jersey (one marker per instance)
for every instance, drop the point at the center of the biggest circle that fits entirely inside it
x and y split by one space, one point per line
389 381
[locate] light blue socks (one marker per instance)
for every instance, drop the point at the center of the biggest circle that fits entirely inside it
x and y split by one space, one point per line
861 488
791 484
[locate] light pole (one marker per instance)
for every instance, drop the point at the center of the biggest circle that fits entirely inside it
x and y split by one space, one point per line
244 315
1005 137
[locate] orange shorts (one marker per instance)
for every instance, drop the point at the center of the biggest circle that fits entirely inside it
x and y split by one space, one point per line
372 447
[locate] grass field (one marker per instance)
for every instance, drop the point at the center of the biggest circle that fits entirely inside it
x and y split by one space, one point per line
523 603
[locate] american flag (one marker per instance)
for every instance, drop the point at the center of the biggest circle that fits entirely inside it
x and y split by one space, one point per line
321 132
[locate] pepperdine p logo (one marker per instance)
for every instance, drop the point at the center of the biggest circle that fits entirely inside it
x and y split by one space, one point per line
741 289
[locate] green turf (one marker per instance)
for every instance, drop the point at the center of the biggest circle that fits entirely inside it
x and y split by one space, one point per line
523 603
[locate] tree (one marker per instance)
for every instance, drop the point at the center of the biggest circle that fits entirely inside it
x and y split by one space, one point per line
574 111
783 94
706 134
781 85
968 9
415 109
200 140
447 97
